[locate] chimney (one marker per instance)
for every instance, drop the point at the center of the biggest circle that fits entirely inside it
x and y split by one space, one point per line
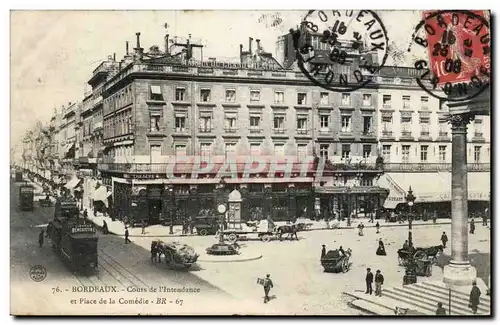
138 38
250 44
166 43
258 44
126 48
114 56
241 49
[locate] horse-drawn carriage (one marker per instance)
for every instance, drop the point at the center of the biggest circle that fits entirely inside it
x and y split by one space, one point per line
280 233
422 258
176 255
336 261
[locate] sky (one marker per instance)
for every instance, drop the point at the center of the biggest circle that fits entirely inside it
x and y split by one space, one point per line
53 53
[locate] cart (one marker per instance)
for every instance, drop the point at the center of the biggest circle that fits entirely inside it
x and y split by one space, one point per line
334 261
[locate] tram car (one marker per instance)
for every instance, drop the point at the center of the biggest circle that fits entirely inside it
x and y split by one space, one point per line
72 239
26 197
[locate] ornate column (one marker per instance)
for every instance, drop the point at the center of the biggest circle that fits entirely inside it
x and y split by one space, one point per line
459 271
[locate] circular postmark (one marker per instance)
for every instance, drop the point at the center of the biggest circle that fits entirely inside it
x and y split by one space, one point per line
457 60
341 50
38 273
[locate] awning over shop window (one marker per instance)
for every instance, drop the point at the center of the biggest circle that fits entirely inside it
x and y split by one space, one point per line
102 194
73 183
68 147
432 187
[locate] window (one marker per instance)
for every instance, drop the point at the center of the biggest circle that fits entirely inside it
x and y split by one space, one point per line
230 95
346 151
180 123
366 181
443 129
386 152
387 123
301 150
478 128
206 149
477 154
205 121
406 102
324 98
367 125
279 122
205 95
230 149
367 151
424 102
255 122
323 151
324 121
279 149
424 128
155 153
423 153
180 150
405 150
302 123
346 124
346 99
301 98
442 154
254 95
279 97
154 124
406 124
367 100
230 121
386 101
180 94
254 149
155 92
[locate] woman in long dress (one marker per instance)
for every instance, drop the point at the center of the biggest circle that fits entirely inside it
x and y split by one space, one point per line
381 248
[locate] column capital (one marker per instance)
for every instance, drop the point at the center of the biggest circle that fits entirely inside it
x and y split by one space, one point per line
459 122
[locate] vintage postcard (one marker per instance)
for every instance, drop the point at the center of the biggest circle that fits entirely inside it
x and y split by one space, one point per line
304 162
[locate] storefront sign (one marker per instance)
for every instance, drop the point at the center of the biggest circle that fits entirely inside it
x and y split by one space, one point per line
83 229
143 176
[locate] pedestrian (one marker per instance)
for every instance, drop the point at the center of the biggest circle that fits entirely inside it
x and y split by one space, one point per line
406 245
381 248
369 281
143 227
440 310
341 251
268 284
475 293
444 239
85 214
190 225
434 217
377 225
126 236
485 218
105 229
472 226
40 238
379 281
323 251
153 252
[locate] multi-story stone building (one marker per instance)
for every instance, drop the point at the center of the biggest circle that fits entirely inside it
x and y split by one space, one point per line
415 142
163 105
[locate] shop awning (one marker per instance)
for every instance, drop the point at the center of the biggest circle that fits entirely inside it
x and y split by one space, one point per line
102 194
68 147
432 187
73 183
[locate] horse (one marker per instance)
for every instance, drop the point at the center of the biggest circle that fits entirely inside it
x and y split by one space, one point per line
431 252
290 230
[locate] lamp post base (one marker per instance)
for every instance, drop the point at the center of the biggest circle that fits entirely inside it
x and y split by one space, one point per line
456 274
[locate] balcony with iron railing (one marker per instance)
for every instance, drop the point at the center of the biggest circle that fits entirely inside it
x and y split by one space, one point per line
387 134
432 167
443 134
302 131
205 129
279 130
255 129
478 134
231 129
406 134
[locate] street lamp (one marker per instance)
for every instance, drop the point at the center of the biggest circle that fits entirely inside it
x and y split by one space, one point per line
410 200
171 211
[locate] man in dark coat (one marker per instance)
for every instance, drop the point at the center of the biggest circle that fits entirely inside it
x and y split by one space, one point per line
369 281
472 226
475 293
323 251
444 239
85 214
126 236
40 238
268 284
105 229
440 310
379 281
378 227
